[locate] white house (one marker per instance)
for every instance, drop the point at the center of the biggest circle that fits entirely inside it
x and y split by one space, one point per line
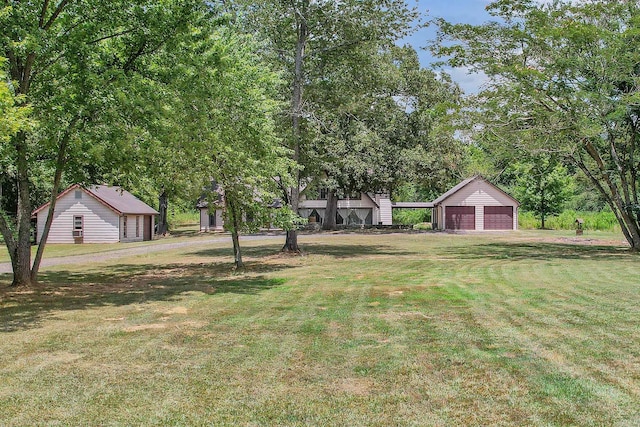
358 209
475 204
97 214
355 209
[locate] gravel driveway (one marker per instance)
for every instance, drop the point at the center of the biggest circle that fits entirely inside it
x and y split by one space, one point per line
138 250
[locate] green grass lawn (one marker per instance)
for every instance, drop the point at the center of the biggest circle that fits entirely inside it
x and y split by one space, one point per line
527 328
189 232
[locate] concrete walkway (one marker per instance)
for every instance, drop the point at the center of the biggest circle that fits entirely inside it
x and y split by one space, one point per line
138 250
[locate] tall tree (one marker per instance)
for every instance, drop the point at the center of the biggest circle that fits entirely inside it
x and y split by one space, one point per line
304 37
564 79
74 64
229 94
383 121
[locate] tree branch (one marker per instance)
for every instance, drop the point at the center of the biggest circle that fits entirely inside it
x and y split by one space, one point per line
45 6
55 15
7 233
110 36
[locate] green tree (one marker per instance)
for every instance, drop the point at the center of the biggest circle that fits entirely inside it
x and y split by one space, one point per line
305 38
229 94
564 80
542 186
77 66
382 123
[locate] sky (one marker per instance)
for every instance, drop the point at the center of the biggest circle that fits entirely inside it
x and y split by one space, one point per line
456 11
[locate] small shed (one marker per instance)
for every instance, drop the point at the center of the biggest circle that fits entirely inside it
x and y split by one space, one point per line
97 214
475 204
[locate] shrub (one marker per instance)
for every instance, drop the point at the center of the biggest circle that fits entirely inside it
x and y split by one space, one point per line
423 226
177 218
411 216
600 221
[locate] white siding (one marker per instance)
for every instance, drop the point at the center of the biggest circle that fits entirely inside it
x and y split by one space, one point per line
386 217
479 194
100 224
131 229
480 218
204 220
365 202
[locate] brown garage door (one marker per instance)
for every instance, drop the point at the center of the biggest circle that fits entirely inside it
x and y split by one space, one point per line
498 217
460 217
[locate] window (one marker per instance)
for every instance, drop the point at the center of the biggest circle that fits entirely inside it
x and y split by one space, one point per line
324 192
78 194
124 227
137 226
354 195
78 224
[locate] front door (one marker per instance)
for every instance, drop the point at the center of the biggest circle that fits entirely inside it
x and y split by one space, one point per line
147 228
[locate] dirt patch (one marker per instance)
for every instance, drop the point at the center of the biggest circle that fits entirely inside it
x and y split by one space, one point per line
586 241
193 324
150 326
355 386
175 310
405 315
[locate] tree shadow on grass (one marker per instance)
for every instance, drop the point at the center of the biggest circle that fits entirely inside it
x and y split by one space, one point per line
538 251
334 250
124 285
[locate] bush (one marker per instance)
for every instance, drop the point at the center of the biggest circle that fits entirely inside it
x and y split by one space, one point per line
411 216
600 221
423 226
177 218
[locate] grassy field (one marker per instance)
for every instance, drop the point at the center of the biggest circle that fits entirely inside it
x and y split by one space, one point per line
182 233
526 328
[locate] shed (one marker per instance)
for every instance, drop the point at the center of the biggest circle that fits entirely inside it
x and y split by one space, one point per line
97 214
475 204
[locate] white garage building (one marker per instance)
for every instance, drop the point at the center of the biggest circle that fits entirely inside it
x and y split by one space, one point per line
475 204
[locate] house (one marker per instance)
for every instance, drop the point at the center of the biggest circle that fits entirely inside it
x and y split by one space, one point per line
97 214
475 204
354 209
211 206
210 216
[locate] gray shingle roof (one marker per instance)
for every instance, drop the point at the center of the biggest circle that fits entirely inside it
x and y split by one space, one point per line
117 199
121 200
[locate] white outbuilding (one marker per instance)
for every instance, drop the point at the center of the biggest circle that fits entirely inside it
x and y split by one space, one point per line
97 214
475 204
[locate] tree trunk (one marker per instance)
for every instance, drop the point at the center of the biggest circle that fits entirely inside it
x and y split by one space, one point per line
542 208
233 213
57 178
163 203
22 259
237 253
630 228
331 211
291 243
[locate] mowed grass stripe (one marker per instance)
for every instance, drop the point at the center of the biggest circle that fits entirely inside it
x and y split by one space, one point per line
431 329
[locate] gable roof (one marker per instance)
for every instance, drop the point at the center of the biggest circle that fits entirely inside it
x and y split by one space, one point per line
463 184
115 198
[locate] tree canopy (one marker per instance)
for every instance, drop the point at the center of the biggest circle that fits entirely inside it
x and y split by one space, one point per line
563 79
